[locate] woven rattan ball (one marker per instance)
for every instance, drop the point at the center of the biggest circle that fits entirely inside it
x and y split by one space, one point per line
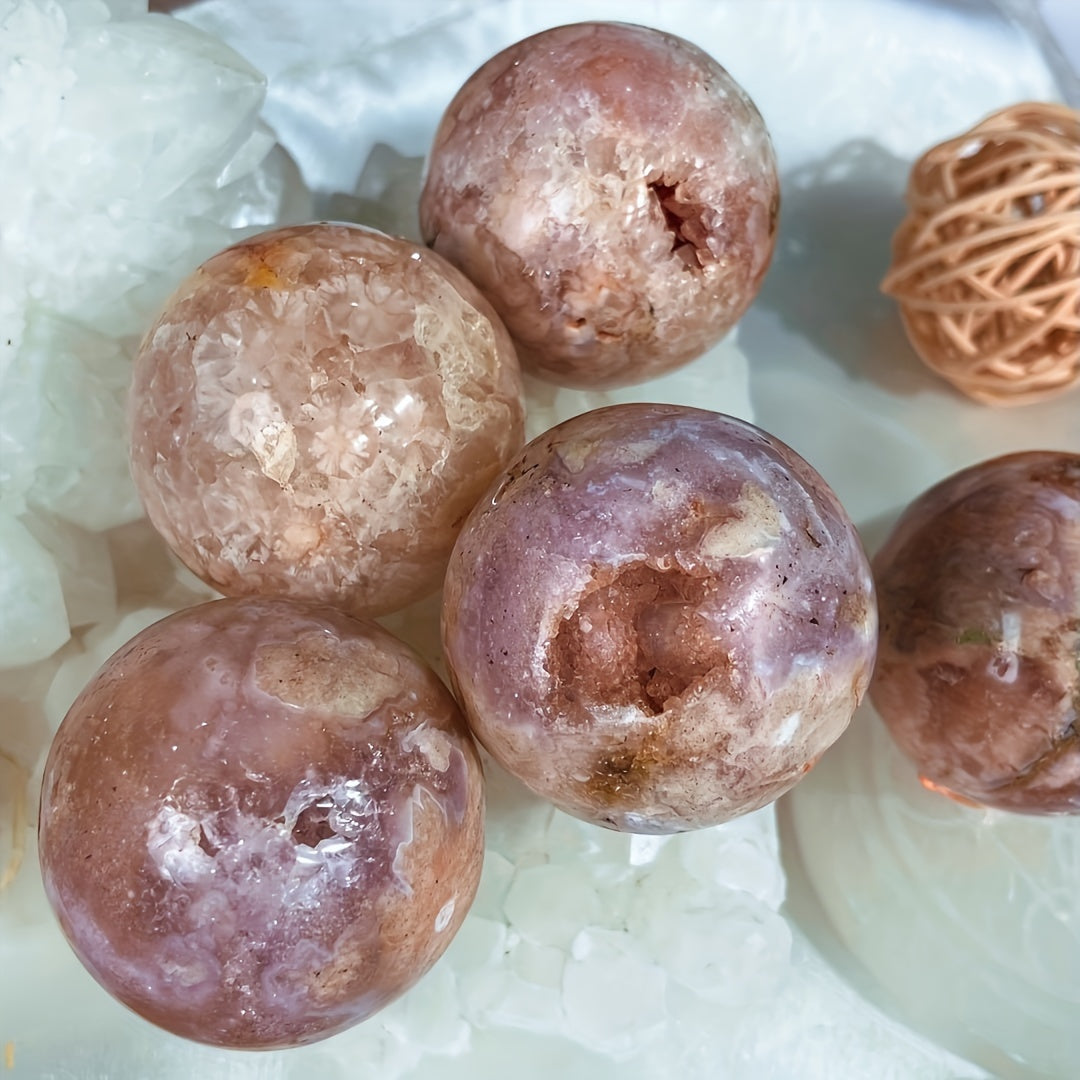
986 265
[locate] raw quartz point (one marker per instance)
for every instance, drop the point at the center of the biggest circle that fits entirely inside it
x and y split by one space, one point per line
658 618
613 192
315 413
977 676
261 821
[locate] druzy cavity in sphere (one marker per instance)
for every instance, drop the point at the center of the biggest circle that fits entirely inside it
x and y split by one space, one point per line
613 192
977 676
316 411
659 618
261 821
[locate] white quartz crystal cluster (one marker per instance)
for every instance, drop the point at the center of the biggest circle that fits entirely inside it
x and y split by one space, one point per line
131 150
597 935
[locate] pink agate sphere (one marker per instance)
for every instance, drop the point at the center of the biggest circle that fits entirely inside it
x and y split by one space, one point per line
978 676
659 618
316 411
613 192
261 821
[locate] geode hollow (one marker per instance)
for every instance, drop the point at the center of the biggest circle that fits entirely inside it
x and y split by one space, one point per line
977 675
659 617
261 821
613 192
316 411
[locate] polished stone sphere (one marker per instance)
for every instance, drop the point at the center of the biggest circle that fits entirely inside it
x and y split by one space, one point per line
261 821
315 412
659 617
977 675
613 192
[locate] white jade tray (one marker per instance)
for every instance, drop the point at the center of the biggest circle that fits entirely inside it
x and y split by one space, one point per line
743 983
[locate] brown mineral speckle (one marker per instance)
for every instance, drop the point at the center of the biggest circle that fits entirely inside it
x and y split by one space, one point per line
626 774
262 277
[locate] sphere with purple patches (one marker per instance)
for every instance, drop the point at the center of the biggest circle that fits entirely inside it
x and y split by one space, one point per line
613 192
978 676
260 822
659 617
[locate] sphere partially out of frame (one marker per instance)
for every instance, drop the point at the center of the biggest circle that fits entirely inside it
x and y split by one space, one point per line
977 675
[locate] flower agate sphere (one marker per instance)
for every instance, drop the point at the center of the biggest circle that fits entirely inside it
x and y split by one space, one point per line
315 413
261 821
613 192
977 675
659 618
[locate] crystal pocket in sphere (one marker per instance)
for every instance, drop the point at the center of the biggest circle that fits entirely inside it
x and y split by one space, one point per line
659 618
261 821
613 192
316 411
977 674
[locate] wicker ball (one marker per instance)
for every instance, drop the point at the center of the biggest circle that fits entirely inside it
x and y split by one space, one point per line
986 266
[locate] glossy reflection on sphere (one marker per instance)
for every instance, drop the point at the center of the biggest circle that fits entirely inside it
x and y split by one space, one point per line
977 675
613 192
316 411
659 618
261 821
